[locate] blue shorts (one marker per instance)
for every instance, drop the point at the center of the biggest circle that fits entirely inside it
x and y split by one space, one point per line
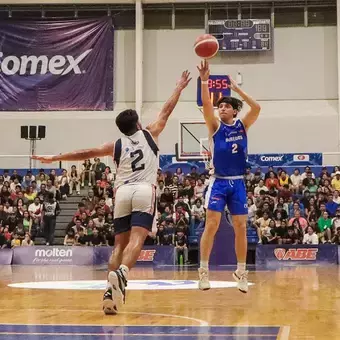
222 192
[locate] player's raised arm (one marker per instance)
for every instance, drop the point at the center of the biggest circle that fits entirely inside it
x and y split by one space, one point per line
158 126
79 155
255 108
208 108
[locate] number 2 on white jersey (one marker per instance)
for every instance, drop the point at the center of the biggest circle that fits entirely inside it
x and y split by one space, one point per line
234 148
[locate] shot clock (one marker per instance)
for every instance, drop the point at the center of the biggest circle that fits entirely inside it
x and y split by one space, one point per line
218 88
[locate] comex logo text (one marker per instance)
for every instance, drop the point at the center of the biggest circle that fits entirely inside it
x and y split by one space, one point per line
57 65
271 158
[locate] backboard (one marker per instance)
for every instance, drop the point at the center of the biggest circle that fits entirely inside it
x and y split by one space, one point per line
192 140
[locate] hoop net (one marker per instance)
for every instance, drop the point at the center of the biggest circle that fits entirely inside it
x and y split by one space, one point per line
206 155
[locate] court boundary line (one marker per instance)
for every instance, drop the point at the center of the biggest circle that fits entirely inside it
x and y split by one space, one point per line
284 333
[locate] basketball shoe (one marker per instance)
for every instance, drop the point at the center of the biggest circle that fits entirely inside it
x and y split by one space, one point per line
242 280
203 283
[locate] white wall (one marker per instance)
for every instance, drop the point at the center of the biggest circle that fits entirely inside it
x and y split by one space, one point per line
296 84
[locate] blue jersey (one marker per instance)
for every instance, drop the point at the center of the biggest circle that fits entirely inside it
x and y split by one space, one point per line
229 150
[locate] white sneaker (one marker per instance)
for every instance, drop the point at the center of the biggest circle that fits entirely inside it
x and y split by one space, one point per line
203 283
109 306
242 281
118 283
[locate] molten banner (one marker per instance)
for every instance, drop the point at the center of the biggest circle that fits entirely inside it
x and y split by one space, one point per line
290 255
56 65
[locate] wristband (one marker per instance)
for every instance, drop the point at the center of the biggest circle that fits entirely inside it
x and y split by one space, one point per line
205 82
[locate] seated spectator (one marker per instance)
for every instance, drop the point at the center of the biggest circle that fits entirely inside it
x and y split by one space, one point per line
173 187
14 189
35 209
104 207
80 238
86 173
64 184
279 210
336 220
312 186
99 221
35 188
284 180
336 181
3 241
260 187
26 183
159 190
19 230
43 176
261 224
331 206
97 169
335 169
272 183
312 214
167 198
27 221
197 214
30 195
279 231
8 208
109 175
265 209
51 188
296 206
336 237
16 241
179 173
199 190
285 192
27 242
160 176
325 225
74 180
16 176
181 247
296 181
250 187
98 191
291 237
307 173
167 215
310 237
249 176
324 172
78 226
69 239
89 228
84 219
96 239
336 197
5 194
301 220
179 215
251 212
194 174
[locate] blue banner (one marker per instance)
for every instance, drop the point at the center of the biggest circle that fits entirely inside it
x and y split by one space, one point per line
273 256
285 159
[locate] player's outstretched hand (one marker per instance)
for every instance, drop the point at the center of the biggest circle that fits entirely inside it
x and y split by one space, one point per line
204 70
233 85
184 81
43 159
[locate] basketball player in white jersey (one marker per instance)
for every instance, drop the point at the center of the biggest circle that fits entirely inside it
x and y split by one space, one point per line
136 158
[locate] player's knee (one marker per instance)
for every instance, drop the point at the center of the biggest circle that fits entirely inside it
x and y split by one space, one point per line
212 224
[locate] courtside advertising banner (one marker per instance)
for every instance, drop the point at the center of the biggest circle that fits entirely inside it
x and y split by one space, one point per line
85 256
6 256
54 65
272 256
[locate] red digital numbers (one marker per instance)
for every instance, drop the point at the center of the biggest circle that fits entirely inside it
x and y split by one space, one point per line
210 83
224 84
218 84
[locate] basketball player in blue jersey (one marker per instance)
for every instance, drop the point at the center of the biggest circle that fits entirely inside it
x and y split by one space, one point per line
228 143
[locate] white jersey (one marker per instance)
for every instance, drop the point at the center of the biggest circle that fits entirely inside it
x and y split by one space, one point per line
136 159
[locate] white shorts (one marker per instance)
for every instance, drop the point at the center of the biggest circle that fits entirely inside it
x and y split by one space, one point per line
135 205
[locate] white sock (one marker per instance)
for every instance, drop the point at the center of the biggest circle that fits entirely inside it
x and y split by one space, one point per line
125 270
241 267
204 265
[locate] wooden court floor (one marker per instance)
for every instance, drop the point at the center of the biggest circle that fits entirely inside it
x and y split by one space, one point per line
64 302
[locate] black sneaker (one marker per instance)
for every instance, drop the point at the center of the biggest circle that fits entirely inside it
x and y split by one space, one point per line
122 282
109 306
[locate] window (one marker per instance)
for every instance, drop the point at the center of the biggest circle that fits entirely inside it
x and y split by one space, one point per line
289 17
322 16
223 13
157 18
123 19
189 18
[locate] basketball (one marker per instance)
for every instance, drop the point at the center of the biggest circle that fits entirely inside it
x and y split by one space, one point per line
206 46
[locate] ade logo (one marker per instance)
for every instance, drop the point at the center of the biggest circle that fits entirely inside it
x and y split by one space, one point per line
302 254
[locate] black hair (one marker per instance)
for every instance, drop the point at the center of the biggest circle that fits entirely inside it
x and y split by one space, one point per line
127 121
234 102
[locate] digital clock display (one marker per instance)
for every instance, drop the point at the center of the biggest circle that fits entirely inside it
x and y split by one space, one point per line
218 88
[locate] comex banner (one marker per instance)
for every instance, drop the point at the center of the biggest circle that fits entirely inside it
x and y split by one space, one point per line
56 65
285 159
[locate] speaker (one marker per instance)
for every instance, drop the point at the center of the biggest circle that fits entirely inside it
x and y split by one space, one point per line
24 132
33 132
41 131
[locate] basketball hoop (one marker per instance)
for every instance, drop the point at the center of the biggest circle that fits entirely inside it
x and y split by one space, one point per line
206 155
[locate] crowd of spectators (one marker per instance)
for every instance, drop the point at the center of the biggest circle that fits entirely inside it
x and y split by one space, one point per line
28 207
303 208
284 209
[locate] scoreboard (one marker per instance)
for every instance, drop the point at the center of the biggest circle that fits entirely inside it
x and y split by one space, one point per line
242 35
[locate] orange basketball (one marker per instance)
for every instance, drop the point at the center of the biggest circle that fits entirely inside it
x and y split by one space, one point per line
206 46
